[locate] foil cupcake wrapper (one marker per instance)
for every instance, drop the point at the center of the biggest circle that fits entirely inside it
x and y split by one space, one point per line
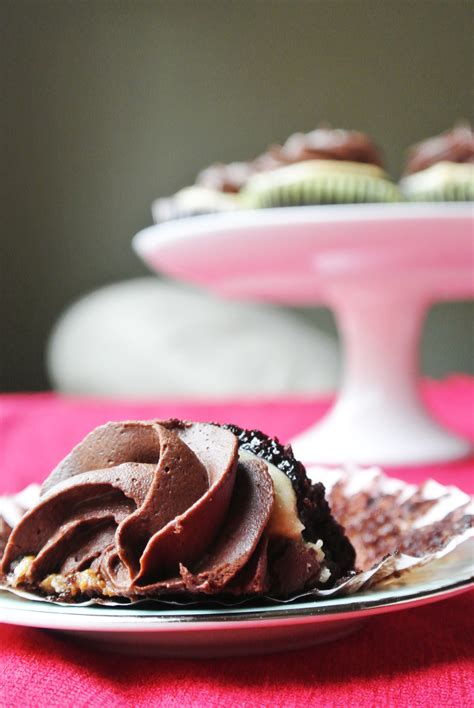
395 527
326 189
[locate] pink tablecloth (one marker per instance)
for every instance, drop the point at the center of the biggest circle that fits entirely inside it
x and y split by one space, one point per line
419 657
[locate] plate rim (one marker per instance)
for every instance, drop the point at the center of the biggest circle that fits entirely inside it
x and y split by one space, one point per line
290 612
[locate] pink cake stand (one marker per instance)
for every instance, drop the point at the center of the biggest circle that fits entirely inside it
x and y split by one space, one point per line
378 267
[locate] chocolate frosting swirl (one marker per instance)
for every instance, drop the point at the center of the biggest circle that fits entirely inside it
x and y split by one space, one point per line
455 145
153 507
330 144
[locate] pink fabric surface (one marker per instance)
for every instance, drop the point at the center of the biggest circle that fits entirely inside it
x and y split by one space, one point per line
418 657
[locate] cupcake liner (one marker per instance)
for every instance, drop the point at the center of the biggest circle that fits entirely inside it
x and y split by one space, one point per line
170 212
13 506
193 201
441 182
324 189
451 192
415 526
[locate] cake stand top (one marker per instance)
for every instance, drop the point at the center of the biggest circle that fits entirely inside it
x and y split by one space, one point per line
296 255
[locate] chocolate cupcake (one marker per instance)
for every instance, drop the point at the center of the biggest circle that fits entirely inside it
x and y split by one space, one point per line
226 179
324 166
441 168
193 201
163 509
216 190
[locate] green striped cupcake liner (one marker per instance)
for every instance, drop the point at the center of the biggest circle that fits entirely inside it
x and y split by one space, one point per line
327 189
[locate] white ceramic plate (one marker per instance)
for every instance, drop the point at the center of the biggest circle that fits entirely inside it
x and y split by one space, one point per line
179 631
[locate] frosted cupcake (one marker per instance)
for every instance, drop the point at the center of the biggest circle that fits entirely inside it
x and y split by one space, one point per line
324 166
441 168
151 509
192 201
216 190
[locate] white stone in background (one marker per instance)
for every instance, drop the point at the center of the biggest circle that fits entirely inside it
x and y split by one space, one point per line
146 337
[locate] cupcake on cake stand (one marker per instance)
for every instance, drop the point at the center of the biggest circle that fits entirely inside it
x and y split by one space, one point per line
379 268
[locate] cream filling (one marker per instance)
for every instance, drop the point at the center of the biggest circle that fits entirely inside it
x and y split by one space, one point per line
284 520
310 169
436 176
318 549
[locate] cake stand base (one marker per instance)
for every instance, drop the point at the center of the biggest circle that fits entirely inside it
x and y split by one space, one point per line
402 437
378 416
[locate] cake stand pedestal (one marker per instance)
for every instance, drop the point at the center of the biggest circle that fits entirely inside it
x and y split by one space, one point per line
379 268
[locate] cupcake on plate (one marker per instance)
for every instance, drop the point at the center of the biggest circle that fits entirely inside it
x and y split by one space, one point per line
156 509
225 179
441 168
215 190
325 166
192 201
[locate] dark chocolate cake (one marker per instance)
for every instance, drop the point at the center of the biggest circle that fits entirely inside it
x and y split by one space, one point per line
313 509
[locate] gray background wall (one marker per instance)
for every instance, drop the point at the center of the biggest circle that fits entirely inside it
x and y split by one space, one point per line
106 105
